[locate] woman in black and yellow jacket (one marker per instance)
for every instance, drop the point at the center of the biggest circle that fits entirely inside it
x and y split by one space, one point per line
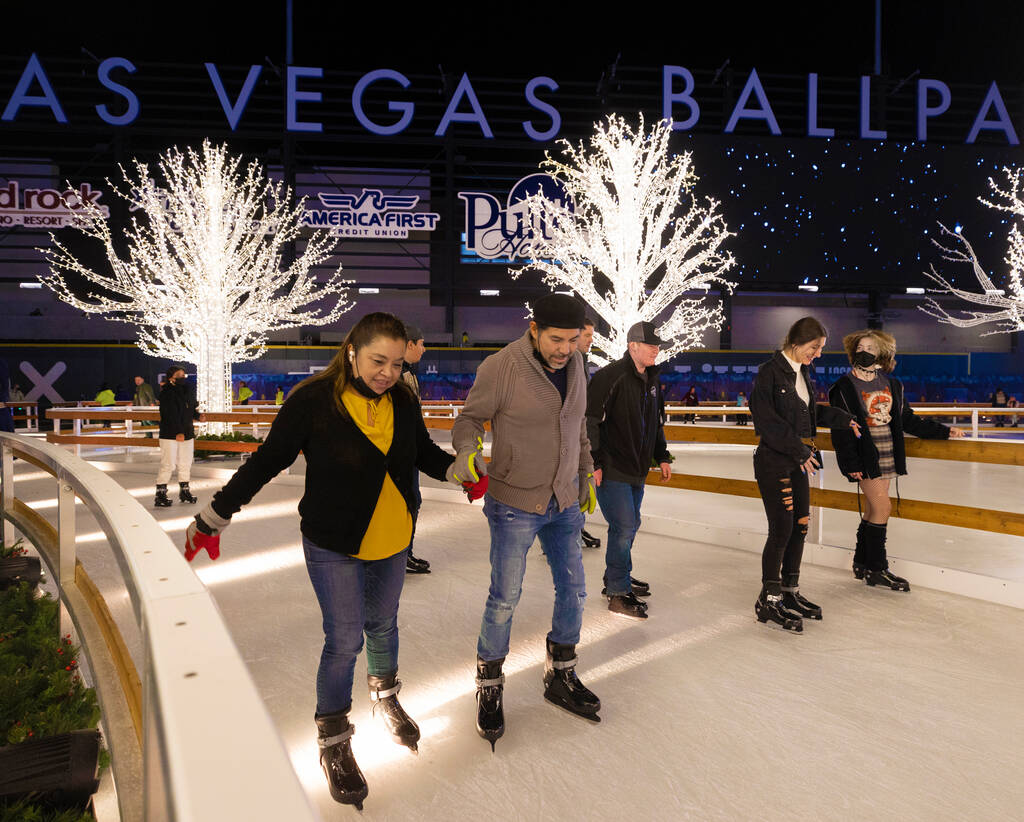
786 419
361 432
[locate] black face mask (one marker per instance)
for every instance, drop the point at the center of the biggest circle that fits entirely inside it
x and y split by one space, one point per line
359 384
864 359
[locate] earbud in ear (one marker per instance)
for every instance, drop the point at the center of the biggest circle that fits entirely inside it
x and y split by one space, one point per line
351 355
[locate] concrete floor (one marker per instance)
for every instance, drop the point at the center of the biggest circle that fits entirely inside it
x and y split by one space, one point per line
895 706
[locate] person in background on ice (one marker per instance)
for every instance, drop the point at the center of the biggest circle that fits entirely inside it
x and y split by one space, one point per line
534 393
105 398
414 349
278 395
626 428
244 393
143 392
690 399
786 419
583 346
178 412
1010 403
878 401
6 412
999 400
360 429
741 402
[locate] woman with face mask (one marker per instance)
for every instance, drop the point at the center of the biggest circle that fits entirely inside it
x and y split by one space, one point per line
361 431
876 398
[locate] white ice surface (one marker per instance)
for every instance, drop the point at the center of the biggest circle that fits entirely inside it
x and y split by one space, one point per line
896 706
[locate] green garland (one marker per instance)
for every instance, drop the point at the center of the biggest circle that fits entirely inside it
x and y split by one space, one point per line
234 436
41 689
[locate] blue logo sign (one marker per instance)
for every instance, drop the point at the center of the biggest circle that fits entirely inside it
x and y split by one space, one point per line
371 215
503 234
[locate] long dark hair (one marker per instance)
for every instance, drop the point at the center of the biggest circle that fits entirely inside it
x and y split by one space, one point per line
339 371
804 331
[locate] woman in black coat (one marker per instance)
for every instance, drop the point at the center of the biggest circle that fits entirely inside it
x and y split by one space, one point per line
876 398
178 412
360 429
786 419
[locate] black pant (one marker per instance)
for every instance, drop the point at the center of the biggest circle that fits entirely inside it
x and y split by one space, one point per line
786 495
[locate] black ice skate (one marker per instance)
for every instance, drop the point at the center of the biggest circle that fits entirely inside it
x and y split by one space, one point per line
184 494
563 688
769 610
162 500
590 541
384 695
344 778
886 579
628 605
797 603
490 712
640 588
415 565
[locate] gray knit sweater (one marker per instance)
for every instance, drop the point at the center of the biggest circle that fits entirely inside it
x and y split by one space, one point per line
539 443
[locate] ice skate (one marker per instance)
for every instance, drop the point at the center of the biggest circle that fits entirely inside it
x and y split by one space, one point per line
589 541
384 695
797 603
184 495
415 565
162 500
344 778
490 713
769 610
886 579
628 605
563 688
640 589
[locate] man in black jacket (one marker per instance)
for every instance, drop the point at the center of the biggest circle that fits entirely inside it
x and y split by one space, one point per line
625 424
414 349
178 412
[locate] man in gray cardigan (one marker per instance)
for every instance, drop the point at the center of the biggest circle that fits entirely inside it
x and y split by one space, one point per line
534 392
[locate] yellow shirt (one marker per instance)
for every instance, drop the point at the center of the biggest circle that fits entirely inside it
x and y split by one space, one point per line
390 528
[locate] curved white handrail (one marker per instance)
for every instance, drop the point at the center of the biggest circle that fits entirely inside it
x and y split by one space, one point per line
210 748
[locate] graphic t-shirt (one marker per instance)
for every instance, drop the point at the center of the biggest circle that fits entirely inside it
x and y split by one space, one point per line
875 398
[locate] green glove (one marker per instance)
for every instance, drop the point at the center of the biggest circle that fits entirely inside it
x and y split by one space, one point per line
588 493
469 465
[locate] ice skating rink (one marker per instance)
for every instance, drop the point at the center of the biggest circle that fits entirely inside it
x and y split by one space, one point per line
895 706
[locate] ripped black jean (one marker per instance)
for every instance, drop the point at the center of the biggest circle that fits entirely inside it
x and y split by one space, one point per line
785 493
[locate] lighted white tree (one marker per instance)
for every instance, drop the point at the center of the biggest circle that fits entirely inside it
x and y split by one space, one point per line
1003 307
634 219
202 277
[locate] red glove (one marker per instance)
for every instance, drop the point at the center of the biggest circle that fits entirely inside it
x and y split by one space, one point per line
475 490
196 541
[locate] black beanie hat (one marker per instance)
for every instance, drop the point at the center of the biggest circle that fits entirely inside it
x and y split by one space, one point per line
559 311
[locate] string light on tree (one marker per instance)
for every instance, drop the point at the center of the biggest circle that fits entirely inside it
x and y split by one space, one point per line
635 239
202 279
1006 310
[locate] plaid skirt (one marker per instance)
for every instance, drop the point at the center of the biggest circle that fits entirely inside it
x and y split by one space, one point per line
881 436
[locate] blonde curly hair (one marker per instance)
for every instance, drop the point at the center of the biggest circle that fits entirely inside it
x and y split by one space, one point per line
886 346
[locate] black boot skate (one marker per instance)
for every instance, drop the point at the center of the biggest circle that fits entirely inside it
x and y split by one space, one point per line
860 565
589 541
384 695
563 688
415 565
490 712
793 601
640 588
628 605
878 563
344 778
770 610
162 500
184 494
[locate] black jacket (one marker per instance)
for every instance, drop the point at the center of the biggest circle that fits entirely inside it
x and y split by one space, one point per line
861 455
178 410
625 421
780 416
344 470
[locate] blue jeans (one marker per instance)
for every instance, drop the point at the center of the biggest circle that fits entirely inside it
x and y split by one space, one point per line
356 597
512 533
620 506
